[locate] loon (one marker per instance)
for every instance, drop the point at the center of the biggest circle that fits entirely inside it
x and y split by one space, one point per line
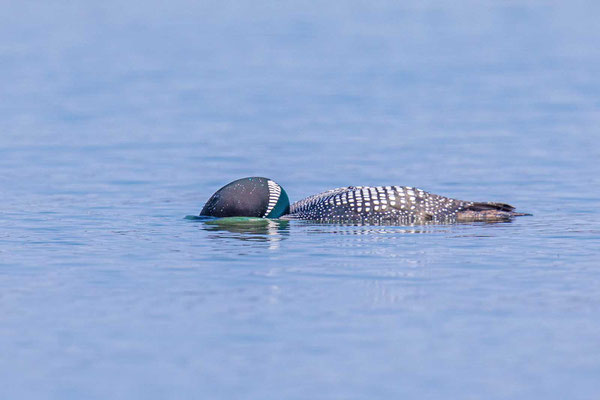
402 205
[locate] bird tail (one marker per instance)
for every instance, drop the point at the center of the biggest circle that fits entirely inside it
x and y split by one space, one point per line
488 212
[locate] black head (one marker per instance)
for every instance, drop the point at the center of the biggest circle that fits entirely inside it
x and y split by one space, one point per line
248 197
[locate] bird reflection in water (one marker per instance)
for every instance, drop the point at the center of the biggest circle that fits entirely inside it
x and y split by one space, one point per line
247 229
357 228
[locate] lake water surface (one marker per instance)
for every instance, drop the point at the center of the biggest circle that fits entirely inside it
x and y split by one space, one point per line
119 119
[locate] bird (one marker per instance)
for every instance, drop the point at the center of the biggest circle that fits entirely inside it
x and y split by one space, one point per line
261 197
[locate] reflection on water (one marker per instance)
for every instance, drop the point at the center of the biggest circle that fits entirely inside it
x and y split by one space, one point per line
357 228
352 239
245 229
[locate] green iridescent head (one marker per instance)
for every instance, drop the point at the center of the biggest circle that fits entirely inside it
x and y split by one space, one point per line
248 197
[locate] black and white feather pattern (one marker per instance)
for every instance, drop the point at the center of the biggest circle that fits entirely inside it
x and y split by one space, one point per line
274 193
386 204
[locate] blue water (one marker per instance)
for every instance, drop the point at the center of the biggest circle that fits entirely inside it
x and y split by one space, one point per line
118 119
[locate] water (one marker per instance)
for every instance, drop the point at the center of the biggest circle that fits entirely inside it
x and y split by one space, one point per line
119 119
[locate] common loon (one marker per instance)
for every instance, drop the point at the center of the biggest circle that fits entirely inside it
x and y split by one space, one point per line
402 205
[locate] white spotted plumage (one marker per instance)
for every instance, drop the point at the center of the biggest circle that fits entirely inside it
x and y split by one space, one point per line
393 204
